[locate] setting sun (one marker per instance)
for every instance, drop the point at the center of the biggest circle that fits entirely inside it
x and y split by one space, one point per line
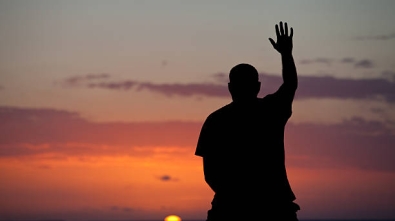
172 218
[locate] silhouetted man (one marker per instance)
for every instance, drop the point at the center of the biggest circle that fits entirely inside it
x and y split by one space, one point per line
242 144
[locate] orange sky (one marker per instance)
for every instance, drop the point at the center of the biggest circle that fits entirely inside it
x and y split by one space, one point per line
121 187
101 104
57 164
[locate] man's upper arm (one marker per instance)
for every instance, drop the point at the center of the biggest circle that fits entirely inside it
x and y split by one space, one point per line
286 92
284 97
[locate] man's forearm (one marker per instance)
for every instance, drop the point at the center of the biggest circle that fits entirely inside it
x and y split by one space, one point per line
290 77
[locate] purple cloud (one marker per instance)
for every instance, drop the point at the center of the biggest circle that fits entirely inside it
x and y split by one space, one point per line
77 80
365 63
316 87
310 87
168 89
125 85
330 87
27 132
206 89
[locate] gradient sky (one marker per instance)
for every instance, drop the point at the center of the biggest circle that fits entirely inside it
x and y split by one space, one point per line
101 104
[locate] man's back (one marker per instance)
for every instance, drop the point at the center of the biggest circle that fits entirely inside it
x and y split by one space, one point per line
246 140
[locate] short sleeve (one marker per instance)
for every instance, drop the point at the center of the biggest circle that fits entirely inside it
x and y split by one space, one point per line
204 139
283 99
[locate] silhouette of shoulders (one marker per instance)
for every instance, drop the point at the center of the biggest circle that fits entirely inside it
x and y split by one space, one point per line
242 144
247 139
242 119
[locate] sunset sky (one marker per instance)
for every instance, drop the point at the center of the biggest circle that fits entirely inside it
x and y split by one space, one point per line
101 104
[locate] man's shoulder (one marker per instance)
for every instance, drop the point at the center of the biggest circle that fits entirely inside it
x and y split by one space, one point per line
220 111
268 97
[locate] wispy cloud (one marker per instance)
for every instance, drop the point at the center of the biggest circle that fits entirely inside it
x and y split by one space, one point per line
124 85
168 89
317 87
77 80
326 61
347 60
206 89
28 132
365 63
383 37
167 178
310 87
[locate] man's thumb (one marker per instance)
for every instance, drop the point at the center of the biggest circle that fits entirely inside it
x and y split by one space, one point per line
273 43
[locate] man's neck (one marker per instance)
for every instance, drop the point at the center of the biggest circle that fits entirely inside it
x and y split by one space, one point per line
245 100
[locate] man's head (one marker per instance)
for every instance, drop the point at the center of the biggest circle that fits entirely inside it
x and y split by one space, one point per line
244 82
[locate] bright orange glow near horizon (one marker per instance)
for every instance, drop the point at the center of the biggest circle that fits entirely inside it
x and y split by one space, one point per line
172 218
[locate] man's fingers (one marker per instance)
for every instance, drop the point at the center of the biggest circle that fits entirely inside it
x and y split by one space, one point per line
273 43
292 33
286 29
281 28
277 31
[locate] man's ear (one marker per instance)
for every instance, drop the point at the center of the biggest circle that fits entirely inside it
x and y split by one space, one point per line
258 87
230 89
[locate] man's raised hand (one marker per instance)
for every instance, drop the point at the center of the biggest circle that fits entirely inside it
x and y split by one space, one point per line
284 41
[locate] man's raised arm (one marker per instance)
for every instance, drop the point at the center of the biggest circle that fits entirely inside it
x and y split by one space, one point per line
284 47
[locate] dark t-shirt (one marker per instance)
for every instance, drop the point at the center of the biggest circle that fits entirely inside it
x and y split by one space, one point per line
246 142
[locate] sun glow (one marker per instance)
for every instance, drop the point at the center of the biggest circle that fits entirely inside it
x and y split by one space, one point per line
172 218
